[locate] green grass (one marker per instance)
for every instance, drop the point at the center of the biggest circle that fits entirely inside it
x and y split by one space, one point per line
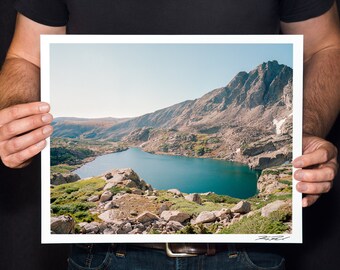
215 198
210 203
257 225
62 168
71 199
257 203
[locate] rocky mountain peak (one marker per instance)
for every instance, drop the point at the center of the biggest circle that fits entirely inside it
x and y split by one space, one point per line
258 96
264 85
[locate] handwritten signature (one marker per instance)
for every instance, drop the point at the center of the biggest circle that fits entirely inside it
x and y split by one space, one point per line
272 238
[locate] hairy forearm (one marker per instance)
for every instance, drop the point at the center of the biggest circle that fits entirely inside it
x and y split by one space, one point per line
321 92
19 82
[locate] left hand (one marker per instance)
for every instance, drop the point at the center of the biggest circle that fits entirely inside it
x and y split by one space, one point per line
317 168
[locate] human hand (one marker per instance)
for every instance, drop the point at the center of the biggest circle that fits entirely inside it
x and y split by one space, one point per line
317 168
23 132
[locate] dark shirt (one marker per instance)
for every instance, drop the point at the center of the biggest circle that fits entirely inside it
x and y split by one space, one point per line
171 16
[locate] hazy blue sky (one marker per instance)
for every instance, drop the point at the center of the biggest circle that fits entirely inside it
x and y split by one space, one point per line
124 80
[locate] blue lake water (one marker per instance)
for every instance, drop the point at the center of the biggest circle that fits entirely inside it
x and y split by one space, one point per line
189 175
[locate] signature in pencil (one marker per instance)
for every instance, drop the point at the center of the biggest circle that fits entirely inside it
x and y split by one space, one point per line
272 238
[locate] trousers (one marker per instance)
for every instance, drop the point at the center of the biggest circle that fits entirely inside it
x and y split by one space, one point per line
127 256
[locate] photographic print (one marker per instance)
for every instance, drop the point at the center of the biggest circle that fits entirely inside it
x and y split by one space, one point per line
172 138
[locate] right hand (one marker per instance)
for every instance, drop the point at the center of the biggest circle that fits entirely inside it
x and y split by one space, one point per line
23 132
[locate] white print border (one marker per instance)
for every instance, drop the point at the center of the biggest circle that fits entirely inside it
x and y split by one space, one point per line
295 40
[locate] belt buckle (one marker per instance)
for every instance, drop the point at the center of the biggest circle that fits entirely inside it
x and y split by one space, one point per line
171 254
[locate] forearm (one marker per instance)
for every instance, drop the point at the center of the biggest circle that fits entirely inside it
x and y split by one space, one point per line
19 82
321 92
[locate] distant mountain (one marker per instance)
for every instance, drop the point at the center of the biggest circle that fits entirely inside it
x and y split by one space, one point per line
254 107
72 127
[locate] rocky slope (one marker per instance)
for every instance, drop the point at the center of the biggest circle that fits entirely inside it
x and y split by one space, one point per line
119 202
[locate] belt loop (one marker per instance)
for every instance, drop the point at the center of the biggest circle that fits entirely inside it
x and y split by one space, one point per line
211 249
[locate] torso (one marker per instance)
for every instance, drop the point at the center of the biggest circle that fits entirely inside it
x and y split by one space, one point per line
173 16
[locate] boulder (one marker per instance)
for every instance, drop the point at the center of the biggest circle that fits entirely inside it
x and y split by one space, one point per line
236 218
93 198
62 224
125 228
223 213
194 198
175 192
149 187
136 231
129 183
148 193
137 191
128 173
174 226
109 185
175 216
164 207
108 176
64 178
89 228
110 205
108 231
146 217
272 207
133 213
143 185
108 216
205 217
107 195
243 207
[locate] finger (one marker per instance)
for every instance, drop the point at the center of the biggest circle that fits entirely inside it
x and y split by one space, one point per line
326 173
309 200
19 159
18 144
22 110
24 125
314 188
319 156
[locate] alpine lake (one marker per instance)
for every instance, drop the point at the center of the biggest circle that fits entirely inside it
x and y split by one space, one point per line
187 174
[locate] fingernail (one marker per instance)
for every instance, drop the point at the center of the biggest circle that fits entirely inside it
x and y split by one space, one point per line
298 163
302 187
47 130
299 175
44 108
304 203
40 144
46 118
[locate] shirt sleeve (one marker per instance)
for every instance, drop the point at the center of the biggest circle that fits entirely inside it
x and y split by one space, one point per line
301 10
47 12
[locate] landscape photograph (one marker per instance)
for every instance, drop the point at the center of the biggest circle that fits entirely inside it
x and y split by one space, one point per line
171 139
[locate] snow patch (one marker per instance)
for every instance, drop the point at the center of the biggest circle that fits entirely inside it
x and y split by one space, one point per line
278 124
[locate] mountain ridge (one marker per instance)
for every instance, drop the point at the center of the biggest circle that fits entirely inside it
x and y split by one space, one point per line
254 106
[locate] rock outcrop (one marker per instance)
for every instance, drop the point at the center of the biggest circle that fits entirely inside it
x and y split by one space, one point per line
62 225
63 178
275 180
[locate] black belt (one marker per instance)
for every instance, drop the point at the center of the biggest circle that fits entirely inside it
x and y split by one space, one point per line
184 249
